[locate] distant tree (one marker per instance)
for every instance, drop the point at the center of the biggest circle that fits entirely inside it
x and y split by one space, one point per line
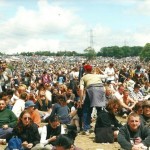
145 53
136 50
90 53
126 50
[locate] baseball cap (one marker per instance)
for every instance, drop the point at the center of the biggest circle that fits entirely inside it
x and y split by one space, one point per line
29 103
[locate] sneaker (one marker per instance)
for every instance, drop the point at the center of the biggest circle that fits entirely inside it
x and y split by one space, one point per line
91 131
85 132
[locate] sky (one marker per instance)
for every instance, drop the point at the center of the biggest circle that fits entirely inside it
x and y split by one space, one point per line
72 25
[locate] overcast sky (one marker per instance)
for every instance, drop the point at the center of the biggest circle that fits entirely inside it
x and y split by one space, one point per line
36 25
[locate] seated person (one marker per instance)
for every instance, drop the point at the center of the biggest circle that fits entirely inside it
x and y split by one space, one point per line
138 108
7 97
35 116
146 89
107 123
129 83
136 94
27 131
43 105
145 117
49 133
133 135
8 120
69 96
19 105
62 110
75 117
66 141
129 102
21 89
119 96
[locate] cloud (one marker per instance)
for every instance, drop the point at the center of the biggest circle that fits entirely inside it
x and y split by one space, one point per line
36 29
143 7
54 27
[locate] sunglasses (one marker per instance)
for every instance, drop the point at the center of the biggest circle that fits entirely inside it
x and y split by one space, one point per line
25 118
2 104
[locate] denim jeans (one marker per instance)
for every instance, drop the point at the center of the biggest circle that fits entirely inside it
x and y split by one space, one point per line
87 111
5 132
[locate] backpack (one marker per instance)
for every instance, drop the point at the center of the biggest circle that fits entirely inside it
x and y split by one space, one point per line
15 143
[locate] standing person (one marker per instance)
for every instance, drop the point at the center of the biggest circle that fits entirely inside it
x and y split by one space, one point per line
8 120
81 71
94 95
74 74
134 136
27 131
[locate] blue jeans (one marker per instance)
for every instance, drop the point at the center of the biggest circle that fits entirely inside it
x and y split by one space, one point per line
5 132
87 111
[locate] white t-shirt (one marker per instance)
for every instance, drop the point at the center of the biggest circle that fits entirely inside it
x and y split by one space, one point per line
18 107
110 71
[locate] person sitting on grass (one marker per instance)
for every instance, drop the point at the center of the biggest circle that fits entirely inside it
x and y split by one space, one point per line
145 117
129 102
49 133
133 135
8 120
27 131
107 126
62 110
65 143
35 116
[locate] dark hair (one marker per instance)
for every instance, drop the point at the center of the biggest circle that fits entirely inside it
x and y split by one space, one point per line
53 118
71 132
64 141
10 92
111 64
138 106
61 97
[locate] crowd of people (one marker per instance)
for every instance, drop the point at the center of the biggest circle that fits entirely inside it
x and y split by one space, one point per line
67 96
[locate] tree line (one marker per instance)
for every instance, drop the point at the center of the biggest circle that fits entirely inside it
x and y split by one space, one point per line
90 53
